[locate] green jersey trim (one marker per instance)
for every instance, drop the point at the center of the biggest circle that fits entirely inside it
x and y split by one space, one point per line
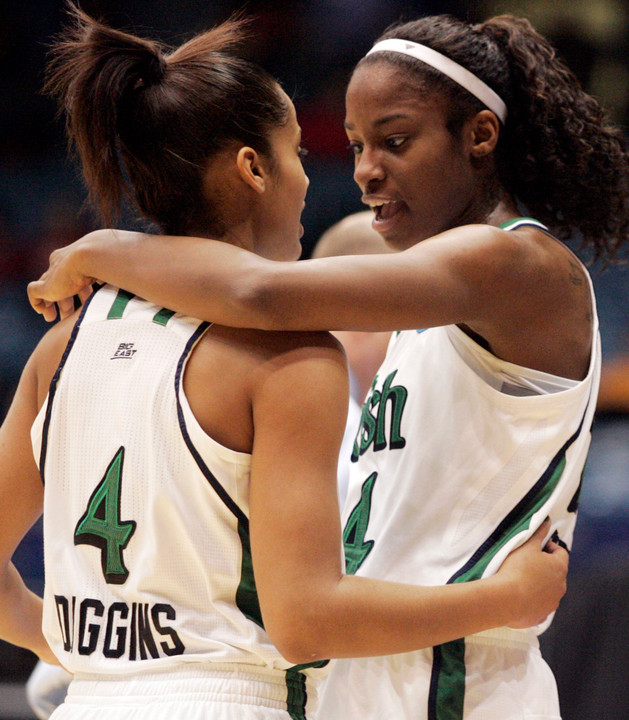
247 594
163 316
123 298
296 697
447 683
119 305
519 222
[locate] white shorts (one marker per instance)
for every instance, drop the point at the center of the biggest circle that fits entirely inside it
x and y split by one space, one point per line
189 692
502 680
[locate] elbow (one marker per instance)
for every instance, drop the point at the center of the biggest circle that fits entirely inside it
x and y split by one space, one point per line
299 638
298 648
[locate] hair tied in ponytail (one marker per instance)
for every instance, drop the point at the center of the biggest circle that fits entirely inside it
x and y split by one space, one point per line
152 70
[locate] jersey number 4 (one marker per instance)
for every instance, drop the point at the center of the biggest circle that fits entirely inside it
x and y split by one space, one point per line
356 547
101 526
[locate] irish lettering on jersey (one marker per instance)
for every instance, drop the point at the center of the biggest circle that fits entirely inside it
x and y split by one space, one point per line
372 433
372 430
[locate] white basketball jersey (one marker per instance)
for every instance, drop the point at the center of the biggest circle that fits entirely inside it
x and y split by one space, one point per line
459 458
147 552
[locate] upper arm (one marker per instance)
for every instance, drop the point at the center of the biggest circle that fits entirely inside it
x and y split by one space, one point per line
456 277
299 410
21 488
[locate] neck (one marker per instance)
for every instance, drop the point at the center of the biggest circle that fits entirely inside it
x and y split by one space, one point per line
493 205
504 210
240 235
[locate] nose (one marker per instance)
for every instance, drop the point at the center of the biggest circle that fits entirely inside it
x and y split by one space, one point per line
368 169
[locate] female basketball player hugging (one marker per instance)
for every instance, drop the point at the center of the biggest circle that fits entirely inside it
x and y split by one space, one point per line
181 458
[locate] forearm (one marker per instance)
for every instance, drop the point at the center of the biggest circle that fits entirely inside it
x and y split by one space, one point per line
21 615
427 285
227 285
420 616
203 278
362 617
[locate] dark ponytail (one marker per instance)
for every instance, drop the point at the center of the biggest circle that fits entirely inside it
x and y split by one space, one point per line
557 154
145 122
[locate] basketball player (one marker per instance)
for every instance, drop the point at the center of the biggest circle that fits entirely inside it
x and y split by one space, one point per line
48 684
174 457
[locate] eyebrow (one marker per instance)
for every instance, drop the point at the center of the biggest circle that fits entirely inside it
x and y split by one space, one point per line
383 120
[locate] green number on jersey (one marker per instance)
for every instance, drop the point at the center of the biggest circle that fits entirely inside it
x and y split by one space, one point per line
356 549
101 526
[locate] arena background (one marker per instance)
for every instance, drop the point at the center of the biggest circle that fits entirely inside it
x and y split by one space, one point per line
311 46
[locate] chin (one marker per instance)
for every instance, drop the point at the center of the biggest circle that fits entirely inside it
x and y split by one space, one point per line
409 236
289 254
399 241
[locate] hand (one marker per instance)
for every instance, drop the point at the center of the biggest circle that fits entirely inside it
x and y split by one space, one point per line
60 283
539 577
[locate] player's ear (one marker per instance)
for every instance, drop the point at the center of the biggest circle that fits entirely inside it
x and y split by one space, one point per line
484 134
251 168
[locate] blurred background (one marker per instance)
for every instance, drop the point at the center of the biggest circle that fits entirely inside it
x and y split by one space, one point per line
311 47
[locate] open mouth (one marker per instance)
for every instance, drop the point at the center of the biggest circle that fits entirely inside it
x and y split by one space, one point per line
384 211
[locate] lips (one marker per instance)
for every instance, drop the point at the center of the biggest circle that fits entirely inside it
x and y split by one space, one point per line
388 210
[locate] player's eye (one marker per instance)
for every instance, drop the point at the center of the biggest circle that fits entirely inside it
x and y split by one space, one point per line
396 141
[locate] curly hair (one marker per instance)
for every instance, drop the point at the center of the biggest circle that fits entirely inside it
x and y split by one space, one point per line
557 154
146 120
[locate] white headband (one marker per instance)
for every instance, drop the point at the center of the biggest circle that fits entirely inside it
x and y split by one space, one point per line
448 67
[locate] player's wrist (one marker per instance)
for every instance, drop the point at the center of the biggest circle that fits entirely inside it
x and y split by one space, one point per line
504 598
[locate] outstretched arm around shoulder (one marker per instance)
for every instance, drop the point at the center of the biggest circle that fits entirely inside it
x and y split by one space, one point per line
447 279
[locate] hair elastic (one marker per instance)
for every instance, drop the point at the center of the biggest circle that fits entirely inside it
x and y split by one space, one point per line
448 67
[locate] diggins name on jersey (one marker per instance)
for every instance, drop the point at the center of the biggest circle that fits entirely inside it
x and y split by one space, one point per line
136 631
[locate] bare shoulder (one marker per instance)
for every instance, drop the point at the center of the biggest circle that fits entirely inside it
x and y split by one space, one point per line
232 368
311 357
526 259
46 357
546 267
263 345
528 296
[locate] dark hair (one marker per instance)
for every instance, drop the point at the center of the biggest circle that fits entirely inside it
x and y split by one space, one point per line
135 112
556 154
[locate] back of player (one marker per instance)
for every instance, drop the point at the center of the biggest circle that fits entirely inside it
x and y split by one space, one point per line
148 566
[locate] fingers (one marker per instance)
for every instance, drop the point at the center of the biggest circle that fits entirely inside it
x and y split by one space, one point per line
85 293
539 536
66 307
552 547
558 552
50 310
42 307
45 308
542 531
37 303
